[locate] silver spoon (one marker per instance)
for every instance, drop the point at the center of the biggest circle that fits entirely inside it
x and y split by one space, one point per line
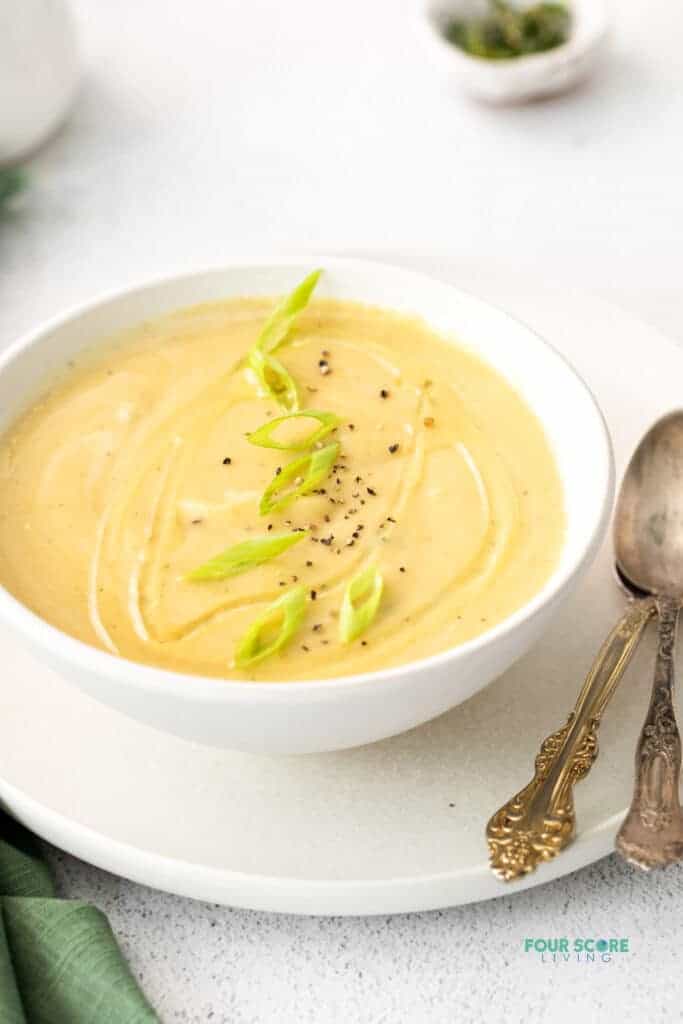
540 821
648 540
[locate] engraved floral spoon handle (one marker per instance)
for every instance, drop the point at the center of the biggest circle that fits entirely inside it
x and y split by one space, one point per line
539 822
652 833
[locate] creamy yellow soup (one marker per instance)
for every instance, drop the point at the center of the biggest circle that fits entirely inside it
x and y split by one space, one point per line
134 468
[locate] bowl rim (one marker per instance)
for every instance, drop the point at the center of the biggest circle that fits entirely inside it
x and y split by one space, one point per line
197 687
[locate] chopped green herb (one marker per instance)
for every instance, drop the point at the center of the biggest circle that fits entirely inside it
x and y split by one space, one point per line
272 375
244 556
289 611
274 379
280 321
305 474
359 606
507 30
264 435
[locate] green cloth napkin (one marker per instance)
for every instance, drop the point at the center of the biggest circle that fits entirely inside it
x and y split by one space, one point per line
59 961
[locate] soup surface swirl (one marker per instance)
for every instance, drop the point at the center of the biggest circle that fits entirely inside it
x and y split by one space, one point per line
134 468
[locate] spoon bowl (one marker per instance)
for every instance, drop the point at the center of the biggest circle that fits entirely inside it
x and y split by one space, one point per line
648 522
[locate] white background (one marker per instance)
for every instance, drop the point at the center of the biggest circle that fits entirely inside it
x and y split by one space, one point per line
216 127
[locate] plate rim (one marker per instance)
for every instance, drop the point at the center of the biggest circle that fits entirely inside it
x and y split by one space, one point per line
286 894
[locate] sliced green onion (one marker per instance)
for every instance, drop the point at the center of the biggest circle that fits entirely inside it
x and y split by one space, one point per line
272 375
274 379
278 324
361 601
246 555
289 610
310 470
264 435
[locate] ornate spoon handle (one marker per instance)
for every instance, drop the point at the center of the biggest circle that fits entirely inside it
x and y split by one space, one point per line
540 821
652 833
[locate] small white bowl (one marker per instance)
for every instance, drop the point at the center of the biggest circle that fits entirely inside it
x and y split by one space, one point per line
521 78
301 717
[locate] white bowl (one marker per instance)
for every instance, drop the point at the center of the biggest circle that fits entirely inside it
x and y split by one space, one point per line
300 717
521 78
39 70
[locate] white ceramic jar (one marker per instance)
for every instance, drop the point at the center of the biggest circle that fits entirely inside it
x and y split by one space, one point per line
39 73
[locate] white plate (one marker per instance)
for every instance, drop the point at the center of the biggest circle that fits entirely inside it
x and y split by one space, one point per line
397 826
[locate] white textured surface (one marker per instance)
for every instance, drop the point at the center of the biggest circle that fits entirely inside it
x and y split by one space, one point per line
204 128
462 966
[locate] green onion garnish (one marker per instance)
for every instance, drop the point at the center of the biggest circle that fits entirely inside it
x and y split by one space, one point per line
361 601
272 375
274 379
278 324
310 470
289 610
246 555
264 435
